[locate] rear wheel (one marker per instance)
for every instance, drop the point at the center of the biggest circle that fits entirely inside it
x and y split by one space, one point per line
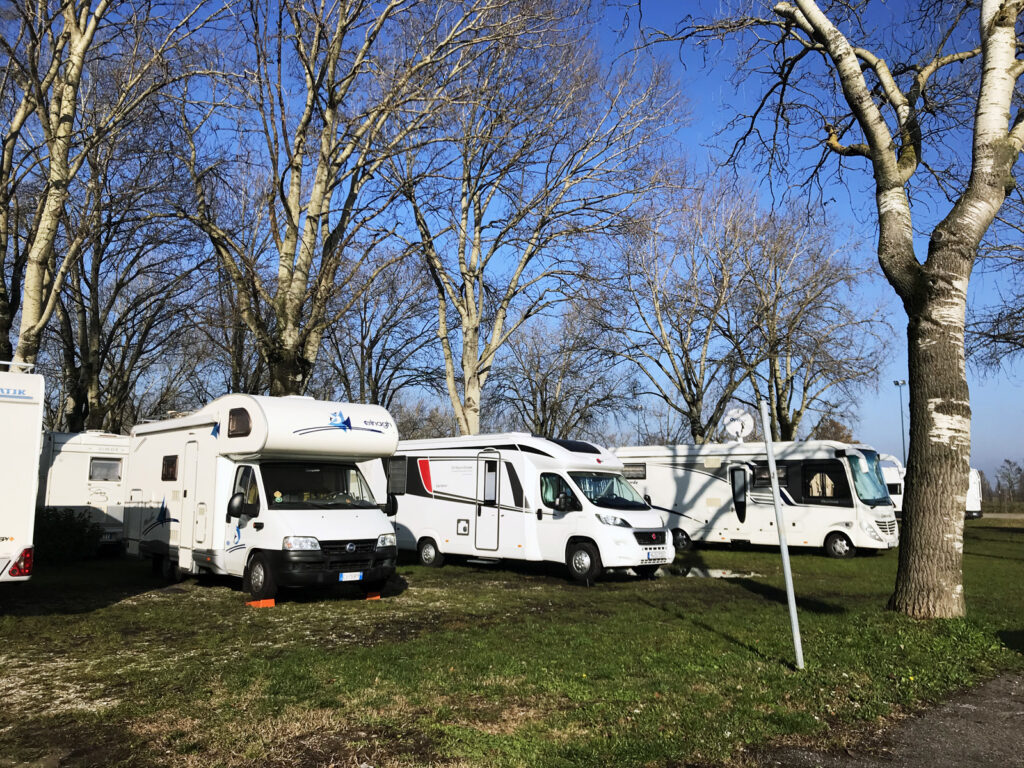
681 540
169 570
429 554
262 583
583 561
839 545
646 571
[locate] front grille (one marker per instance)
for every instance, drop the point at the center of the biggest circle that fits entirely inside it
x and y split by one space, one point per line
649 538
340 548
888 527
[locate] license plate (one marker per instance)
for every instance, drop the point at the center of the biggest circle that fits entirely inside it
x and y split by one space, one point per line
355 576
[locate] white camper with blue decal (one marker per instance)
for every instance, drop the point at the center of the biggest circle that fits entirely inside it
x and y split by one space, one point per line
833 494
264 488
520 497
21 414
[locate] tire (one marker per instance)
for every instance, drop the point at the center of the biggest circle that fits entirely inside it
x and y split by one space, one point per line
429 554
681 540
646 571
262 583
169 570
583 561
839 545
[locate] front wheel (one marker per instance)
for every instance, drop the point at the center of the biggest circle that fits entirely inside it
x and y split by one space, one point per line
681 540
429 554
583 561
839 545
262 584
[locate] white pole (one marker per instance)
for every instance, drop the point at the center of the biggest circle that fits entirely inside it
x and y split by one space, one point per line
783 547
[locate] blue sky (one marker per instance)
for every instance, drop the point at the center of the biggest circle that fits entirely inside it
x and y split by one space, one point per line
996 396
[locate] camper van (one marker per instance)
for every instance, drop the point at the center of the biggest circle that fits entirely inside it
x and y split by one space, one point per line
519 497
21 413
973 505
84 472
263 488
832 493
893 474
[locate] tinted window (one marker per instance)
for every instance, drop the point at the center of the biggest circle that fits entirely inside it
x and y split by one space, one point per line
105 470
634 471
763 478
169 468
239 422
551 485
825 483
397 466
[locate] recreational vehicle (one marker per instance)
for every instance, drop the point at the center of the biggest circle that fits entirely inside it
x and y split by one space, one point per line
519 497
21 414
264 488
832 493
84 472
893 474
973 505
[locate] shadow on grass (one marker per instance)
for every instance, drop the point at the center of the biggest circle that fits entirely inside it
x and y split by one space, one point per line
74 588
776 595
1012 639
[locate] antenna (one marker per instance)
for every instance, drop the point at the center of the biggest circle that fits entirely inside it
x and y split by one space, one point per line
738 424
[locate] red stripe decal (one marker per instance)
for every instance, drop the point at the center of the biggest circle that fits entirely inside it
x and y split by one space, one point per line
424 465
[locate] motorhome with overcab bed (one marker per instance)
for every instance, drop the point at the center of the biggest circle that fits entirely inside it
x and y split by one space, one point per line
263 488
84 472
21 414
832 494
521 497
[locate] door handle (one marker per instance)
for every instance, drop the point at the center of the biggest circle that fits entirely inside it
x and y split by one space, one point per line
258 526
479 510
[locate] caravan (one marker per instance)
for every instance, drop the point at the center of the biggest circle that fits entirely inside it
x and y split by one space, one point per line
264 488
21 413
520 497
833 494
893 473
84 472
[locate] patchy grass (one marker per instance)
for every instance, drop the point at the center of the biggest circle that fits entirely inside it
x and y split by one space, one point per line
487 665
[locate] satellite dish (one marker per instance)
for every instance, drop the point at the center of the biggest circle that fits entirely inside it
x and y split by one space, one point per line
738 423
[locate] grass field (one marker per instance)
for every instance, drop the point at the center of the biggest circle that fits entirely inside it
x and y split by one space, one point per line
487 665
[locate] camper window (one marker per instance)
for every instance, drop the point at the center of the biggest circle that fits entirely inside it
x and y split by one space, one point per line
239 422
825 483
169 469
397 474
104 470
634 471
551 485
763 478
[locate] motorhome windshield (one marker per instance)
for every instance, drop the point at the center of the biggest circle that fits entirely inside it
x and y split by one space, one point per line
868 479
604 489
320 485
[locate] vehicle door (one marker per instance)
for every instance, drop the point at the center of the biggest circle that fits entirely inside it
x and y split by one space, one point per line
825 500
188 505
555 525
488 501
240 531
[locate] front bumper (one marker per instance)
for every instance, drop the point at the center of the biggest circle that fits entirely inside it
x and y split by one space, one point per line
329 564
633 547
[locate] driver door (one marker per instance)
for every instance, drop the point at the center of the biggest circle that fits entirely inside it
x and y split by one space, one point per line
239 531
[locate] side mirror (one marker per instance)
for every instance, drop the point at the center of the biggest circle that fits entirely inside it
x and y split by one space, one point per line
738 478
562 502
647 498
236 506
390 507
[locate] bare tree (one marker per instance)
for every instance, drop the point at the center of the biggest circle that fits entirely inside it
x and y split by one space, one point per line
58 56
879 100
557 380
539 149
322 95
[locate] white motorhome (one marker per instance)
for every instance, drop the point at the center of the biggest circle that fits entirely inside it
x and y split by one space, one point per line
832 493
973 505
85 472
893 473
21 414
519 497
264 488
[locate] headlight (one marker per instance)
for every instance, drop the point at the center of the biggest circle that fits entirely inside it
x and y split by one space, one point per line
386 540
296 543
613 520
870 530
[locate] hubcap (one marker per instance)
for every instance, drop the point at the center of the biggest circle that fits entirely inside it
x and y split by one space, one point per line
841 546
256 577
580 561
428 553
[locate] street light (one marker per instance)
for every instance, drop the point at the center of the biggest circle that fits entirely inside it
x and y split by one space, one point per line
900 383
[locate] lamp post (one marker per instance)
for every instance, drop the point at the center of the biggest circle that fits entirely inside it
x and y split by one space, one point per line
900 383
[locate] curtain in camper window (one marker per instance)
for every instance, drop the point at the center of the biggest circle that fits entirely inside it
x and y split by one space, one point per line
551 485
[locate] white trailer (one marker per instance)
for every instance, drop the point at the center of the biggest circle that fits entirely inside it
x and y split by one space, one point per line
833 495
21 414
893 473
85 472
264 488
973 505
519 497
